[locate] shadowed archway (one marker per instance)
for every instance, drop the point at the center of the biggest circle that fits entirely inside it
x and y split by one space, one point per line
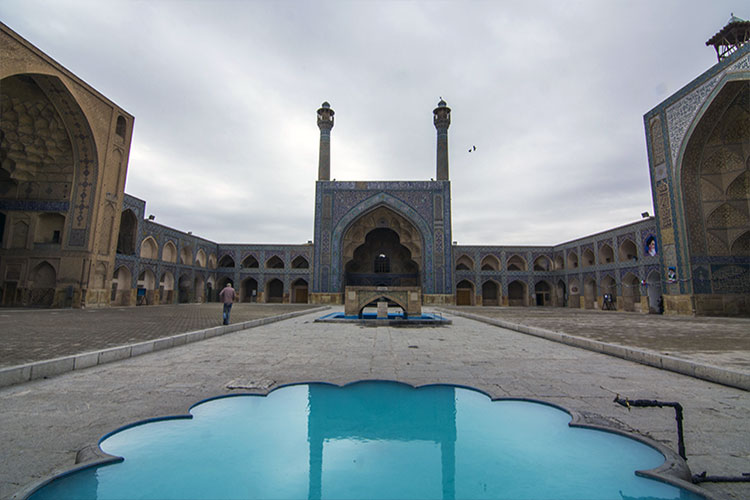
714 176
382 249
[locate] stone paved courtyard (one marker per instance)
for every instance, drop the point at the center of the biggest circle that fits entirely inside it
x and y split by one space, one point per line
717 341
44 423
37 334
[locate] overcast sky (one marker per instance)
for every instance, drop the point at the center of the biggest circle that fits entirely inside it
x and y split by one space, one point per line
225 93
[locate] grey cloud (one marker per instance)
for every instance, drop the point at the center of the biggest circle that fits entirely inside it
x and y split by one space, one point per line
225 92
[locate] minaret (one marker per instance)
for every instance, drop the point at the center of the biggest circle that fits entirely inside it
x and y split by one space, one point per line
325 124
442 120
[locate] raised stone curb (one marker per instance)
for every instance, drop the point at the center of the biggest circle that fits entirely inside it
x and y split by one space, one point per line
730 378
49 368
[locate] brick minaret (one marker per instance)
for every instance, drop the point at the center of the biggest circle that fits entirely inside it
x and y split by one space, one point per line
442 120
325 124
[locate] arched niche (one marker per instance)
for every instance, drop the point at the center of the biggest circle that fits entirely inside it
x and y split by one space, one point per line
606 254
490 293
147 279
222 282
146 285
19 234
516 263
120 127
381 217
121 286
169 252
464 263
714 168
628 251
186 255
589 293
275 291
631 292
561 294
609 287
249 290
517 293
199 288
49 150
149 248
126 238
542 263
382 247
200 258
42 281
379 210
211 289
275 262
300 262
490 263
574 293
653 287
381 260
543 293
166 288
185 289
587 258
572 260
559 263
250 262
226 261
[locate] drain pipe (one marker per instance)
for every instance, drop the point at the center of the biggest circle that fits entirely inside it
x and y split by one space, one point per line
645 403
703 478
697 478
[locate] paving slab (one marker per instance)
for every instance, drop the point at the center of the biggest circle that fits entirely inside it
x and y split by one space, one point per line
44 423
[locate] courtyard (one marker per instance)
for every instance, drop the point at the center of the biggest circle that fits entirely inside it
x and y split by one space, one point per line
46 422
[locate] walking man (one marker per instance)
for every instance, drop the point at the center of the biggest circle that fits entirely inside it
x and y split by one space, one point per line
227 297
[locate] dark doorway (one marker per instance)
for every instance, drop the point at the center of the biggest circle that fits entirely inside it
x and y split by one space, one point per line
275 291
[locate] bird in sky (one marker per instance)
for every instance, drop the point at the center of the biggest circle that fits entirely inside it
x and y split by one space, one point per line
473 148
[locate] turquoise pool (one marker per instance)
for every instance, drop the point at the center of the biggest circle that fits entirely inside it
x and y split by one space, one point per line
394 318
368 440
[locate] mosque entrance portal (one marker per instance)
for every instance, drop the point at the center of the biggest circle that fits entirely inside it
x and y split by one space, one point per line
382 249
382 261
382 252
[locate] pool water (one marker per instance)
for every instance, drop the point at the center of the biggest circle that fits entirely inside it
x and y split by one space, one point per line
424 318
368 440
371 315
